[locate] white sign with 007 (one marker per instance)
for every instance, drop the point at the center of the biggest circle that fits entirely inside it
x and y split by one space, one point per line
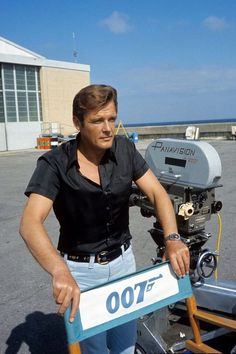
111 301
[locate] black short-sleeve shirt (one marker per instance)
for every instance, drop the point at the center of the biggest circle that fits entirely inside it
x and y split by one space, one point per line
92 217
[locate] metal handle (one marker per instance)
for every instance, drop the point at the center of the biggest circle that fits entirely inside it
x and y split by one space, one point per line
169 174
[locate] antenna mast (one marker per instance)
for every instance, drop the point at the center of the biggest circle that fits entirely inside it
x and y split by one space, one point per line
75 53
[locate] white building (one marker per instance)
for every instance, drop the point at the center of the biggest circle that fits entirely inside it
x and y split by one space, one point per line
33 90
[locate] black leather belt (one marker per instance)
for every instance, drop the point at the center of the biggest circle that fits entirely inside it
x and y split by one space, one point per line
103 257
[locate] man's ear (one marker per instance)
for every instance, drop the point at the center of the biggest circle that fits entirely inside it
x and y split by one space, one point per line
76 122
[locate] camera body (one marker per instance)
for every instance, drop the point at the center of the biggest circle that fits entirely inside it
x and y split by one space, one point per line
190 172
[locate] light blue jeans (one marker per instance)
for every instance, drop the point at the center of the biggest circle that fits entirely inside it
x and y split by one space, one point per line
118 340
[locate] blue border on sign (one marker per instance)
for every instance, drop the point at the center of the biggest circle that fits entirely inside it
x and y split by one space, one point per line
75 332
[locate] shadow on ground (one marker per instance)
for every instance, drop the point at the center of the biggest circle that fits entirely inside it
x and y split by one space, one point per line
43 334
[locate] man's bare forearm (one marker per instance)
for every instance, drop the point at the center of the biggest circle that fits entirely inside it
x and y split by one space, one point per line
40 245
165 213
65 288
176 251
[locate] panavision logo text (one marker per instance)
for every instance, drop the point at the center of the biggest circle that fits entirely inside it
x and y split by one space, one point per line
173 149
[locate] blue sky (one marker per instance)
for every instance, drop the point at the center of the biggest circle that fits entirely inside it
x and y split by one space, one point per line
169 59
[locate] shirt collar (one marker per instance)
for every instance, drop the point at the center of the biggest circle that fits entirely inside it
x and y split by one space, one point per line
72 152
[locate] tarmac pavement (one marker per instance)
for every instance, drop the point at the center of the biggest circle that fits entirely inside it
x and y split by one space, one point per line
29 323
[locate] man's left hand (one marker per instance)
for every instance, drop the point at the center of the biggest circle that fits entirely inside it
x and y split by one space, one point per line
178 254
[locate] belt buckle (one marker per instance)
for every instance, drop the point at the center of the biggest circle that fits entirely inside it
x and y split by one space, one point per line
99 258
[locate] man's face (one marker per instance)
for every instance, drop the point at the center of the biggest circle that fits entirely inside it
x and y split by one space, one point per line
98 128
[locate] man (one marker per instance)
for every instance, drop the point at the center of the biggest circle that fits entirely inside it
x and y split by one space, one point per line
88 183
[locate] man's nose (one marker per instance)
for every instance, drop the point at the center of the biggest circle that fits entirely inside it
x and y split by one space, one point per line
106 126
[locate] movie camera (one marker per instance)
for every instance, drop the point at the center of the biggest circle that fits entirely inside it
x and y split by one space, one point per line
190 172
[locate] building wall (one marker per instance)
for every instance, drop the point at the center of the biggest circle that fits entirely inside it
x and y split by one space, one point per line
3 145
22 135
58 88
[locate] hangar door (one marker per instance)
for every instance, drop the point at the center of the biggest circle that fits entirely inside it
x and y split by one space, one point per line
20 106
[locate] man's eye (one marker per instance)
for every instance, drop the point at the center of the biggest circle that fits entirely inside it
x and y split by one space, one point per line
97 121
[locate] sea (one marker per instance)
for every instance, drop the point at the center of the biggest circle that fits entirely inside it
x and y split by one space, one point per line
184 122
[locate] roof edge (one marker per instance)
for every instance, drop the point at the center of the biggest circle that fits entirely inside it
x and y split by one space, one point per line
43 62
21 48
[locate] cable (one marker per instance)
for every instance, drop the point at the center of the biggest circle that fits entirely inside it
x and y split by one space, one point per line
218 243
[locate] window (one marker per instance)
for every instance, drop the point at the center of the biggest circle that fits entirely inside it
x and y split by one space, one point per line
37 79
2 116
31 82
20 77
22 106
40 107
33 111
10 106
0 77
20 96
8 76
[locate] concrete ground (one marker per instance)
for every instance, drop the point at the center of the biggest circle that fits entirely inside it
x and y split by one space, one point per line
29 323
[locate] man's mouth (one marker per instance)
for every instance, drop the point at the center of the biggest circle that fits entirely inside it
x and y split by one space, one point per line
106 137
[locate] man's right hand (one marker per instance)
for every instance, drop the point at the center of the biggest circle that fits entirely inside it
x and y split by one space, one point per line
66 291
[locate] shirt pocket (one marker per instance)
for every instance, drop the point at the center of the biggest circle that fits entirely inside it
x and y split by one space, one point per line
121 185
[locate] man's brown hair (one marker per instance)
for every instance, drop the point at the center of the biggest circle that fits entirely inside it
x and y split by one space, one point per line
93 97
